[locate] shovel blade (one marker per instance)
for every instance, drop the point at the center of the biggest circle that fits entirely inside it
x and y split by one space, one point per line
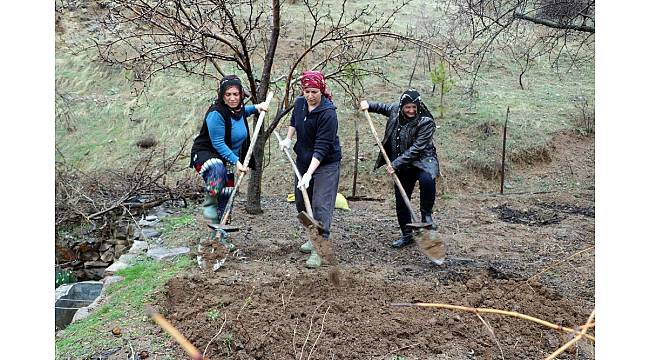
308 221
226 228
420 225
431 245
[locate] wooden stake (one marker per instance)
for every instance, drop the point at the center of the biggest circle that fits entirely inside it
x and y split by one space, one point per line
356 156
503 152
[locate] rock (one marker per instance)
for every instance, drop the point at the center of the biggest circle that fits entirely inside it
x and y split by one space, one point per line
111 280
117 266
119 250
145 223
104 246
149 233
121 234
89 256
128 259
108 256
122 242
94 273
138 247
91 264
161 253
151 218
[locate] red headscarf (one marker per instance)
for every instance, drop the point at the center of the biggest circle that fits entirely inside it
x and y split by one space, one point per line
315 80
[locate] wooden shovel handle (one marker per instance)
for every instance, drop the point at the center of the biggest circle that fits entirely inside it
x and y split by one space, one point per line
305 195
249 154
393 175
190 349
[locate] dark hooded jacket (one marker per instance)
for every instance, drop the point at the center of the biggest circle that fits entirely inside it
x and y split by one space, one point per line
317 133
420 152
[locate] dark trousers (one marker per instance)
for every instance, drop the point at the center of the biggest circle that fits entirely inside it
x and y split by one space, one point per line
408 178
322 193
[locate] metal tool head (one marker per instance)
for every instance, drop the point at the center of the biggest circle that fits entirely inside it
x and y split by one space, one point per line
308 221
420 225
226 228
430 243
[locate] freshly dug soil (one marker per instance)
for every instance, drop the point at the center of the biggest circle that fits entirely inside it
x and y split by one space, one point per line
275 308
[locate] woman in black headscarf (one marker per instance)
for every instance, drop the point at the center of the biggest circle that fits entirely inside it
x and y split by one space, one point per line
219 149
408 141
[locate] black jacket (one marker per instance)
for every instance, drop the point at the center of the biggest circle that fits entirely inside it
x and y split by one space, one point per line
420 151
316 132
202 149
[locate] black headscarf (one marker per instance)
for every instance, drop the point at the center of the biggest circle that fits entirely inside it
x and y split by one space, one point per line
412 96
226 112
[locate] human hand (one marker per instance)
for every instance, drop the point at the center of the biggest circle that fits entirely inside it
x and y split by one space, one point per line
390 170
304 182
240 168
363 105
285 144
263 106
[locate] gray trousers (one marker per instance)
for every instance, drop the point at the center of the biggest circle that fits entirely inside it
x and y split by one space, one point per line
322 193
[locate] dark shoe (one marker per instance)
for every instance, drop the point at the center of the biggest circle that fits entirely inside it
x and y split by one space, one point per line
426 218
402 241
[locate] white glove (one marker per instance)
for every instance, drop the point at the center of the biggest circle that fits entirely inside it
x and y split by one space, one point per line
285 144
304 182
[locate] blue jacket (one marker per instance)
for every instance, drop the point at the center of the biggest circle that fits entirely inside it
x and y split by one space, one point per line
221 140
316 132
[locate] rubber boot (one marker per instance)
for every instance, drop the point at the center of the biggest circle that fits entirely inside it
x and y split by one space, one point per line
427 218
314 260
306 247
405 239
211 209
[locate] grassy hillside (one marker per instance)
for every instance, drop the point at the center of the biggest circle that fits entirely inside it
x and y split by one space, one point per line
99 120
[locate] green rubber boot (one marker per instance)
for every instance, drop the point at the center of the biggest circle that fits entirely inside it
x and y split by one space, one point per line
314 260
210 209
306 247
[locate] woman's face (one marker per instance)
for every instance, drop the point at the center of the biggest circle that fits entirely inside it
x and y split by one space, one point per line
410 110
312 95
232 97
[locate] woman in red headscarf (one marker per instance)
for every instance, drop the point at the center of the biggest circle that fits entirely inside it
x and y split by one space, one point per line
318 151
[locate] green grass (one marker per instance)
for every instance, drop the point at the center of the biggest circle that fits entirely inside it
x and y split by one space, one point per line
172 224
125 305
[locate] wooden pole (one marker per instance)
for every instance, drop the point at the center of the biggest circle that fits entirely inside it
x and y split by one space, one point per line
393 175
356 156
503 151
305 195
190 349
247 158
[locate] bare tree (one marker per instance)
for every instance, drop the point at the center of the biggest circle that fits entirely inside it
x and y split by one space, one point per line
203 36
526 29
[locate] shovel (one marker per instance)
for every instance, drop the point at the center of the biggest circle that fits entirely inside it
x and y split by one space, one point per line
427 239
313 226
222 227
306 218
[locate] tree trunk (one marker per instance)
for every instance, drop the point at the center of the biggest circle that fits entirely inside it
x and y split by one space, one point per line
254 192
